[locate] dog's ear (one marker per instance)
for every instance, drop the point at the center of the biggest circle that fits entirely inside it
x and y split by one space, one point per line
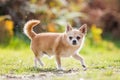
68 28
83 28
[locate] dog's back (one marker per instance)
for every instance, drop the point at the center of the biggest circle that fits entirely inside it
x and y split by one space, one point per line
46 42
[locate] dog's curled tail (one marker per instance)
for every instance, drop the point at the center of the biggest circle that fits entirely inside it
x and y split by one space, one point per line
28 28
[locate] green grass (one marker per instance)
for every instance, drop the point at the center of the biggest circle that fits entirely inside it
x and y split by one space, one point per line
103 62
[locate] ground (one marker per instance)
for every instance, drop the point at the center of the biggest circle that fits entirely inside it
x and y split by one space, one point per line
18 65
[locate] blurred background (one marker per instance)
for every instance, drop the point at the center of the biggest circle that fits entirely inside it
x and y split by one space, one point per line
101 16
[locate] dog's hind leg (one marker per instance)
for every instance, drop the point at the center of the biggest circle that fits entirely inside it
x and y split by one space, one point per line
37 59
40 62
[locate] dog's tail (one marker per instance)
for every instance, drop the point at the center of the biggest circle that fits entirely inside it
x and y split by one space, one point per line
28 28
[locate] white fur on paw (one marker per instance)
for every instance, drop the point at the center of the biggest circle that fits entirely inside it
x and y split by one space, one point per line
84 69
60 69
42 64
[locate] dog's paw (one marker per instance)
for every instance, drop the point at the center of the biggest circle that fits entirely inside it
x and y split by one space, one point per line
60 69
84 67
42 64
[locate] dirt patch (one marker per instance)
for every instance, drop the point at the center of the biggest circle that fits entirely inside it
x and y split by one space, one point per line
42 75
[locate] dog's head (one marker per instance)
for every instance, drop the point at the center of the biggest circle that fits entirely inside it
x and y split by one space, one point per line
75 36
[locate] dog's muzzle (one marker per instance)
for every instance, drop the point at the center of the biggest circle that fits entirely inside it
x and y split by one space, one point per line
74 42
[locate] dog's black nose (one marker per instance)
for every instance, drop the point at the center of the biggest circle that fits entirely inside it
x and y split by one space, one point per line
74 42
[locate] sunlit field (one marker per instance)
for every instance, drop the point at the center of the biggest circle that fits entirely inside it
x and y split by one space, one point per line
101 50
102 60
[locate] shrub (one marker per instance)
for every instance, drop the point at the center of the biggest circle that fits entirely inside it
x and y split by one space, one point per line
6 29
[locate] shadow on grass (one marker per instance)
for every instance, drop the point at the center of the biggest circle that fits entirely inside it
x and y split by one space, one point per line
33 69
51 70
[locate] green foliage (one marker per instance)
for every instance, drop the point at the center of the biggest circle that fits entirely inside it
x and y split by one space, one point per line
17 43
6 29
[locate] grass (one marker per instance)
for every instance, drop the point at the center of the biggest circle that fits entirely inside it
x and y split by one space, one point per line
103 61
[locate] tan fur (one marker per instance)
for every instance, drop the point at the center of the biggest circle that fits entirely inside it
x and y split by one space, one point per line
51 43
28 28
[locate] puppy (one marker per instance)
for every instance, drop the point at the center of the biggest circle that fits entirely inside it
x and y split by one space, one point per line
60 45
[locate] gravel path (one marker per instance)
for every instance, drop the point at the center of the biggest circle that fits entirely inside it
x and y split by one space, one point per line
40 76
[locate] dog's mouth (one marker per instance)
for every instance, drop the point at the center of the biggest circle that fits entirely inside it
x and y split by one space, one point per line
74 43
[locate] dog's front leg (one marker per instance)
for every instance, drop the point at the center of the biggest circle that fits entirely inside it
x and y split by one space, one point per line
78 57
58 60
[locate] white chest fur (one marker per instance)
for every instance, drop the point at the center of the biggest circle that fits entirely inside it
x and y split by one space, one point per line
67 53
71 51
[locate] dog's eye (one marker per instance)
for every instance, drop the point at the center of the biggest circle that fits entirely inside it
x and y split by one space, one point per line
70 37
78 37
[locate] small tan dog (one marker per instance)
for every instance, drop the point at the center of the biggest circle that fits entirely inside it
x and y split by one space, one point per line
64 44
